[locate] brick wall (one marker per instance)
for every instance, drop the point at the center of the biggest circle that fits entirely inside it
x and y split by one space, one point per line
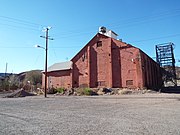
101 58
58 79
80 69
125 65
152 72
92 65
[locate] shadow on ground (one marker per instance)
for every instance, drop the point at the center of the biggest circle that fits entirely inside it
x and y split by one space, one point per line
171 89
18 93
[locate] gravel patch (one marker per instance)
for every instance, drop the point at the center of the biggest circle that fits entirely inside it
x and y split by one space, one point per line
147 114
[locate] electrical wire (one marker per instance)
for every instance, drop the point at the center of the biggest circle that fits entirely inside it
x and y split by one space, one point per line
19 24
126 23
10 19
74 33
17 27
130 20
15 47
156 38
137 41
147 18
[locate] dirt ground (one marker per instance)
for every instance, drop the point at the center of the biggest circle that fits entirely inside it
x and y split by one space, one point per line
144 114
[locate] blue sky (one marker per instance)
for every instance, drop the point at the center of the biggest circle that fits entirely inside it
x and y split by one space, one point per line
142 23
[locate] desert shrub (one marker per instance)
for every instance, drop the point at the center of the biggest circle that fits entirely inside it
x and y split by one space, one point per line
60 90
84 91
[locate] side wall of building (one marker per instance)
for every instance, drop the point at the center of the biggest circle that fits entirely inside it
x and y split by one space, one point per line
125 65
137 69
152 72
58 79
80 69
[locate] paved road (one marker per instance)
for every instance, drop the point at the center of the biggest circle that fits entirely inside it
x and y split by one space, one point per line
149 114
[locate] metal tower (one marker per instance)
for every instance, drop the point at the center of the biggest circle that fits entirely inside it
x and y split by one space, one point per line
165 58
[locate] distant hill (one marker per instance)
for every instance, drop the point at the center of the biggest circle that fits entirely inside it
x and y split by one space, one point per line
33 76
3 74
32 79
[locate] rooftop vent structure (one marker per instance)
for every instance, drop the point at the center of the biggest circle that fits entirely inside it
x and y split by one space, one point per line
102 29
109 33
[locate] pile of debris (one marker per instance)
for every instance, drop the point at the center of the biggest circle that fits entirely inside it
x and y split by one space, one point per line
19 93
66 92
103 91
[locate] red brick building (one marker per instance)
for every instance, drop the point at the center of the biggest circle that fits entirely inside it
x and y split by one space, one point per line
106 62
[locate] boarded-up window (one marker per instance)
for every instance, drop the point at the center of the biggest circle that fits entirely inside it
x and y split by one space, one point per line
129 82
99 43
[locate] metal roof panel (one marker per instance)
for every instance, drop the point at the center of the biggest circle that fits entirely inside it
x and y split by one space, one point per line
60 66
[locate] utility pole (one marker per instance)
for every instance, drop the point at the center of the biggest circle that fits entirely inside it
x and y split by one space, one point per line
46 57
5 73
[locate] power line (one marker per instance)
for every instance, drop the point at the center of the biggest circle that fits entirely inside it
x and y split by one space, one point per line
135 23
22 47
19 27
81 33
13 47
20 21
143 40
147 18
74 34
175 35
130 20
126 23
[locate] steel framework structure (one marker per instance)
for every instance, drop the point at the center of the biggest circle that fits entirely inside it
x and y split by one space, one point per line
165 58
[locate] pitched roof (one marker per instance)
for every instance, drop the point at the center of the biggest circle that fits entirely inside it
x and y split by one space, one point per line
60 66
